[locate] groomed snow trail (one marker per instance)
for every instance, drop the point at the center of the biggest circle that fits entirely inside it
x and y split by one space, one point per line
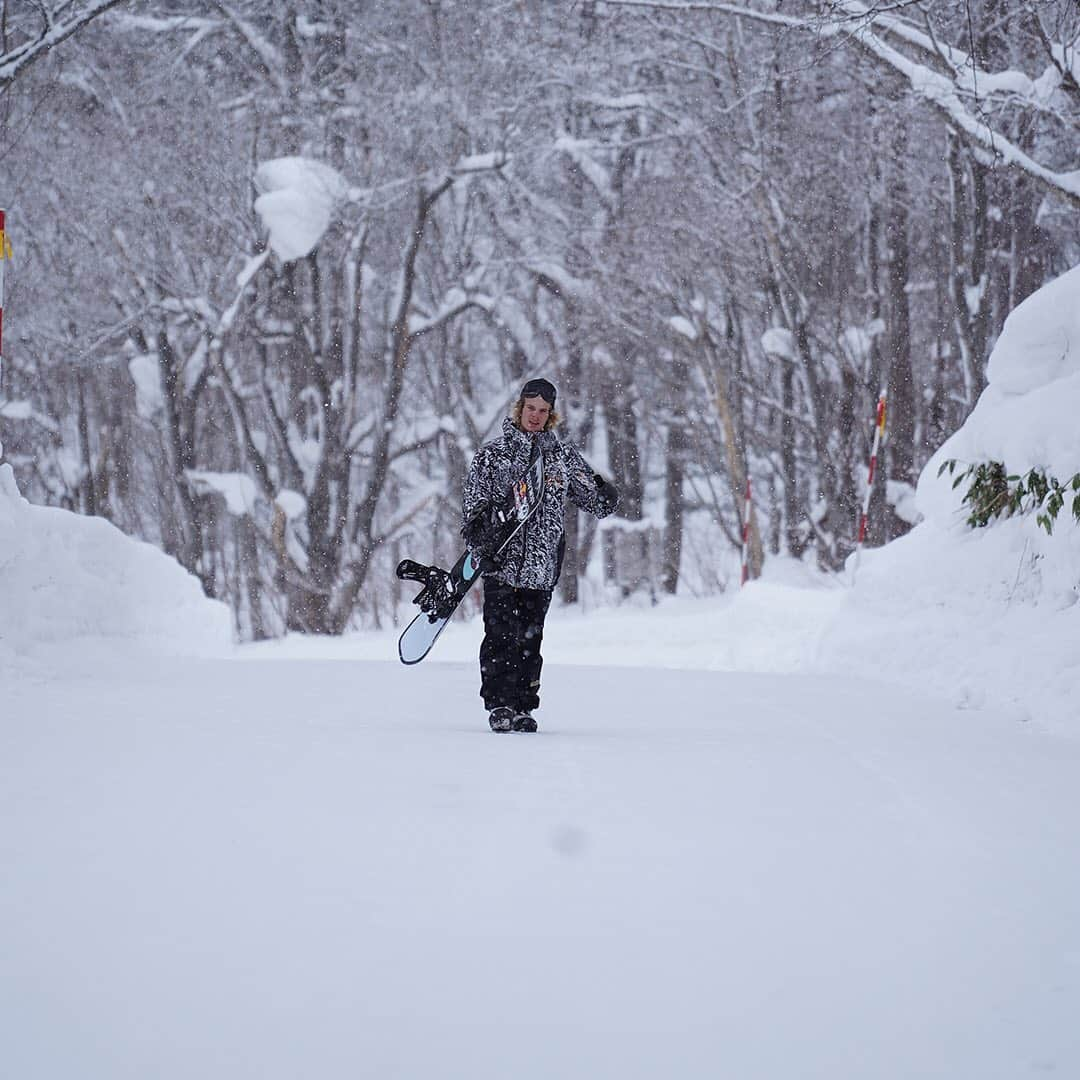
279 870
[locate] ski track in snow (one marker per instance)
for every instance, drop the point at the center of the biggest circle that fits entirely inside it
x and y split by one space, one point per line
285 869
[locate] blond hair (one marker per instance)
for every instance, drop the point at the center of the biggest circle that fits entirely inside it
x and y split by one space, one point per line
519 405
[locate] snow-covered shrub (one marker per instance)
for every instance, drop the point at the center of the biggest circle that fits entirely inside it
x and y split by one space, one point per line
993 492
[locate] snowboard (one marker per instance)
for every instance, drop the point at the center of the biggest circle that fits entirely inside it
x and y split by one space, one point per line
443 590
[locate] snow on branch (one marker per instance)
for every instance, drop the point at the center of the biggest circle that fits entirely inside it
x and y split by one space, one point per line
683 327
167 24
557 278
480 163
453 304
635 100
58 22
267 53
1067 58
965 72
944 95
243 279
779 342
508 313
724 9
24 410
578 152
954 96
300 197
237 489
198 29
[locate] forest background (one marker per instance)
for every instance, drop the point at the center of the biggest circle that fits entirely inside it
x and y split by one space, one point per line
721 229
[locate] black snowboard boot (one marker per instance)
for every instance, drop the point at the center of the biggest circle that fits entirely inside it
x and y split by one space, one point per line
523 721
501 718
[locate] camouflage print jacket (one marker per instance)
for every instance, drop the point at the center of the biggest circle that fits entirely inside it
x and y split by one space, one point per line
533 558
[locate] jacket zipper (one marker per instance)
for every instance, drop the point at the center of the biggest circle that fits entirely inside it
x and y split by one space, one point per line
525 535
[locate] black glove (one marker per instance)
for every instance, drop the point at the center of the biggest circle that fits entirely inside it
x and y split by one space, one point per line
607 495
481 535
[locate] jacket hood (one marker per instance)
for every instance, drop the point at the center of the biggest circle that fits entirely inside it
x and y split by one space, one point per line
515 436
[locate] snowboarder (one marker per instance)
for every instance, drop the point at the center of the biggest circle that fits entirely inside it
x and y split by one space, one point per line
518 587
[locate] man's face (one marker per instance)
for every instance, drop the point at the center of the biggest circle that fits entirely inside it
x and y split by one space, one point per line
534 413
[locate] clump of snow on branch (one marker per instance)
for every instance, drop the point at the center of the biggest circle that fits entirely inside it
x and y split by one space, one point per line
237 489
16 410
578 150
145 374
778 342
293 504
298 199
684 327
858 341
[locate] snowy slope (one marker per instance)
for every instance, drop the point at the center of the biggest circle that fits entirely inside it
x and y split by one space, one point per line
235 870
992 614
66 578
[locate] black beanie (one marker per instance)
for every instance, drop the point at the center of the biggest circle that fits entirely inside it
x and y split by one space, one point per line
539 388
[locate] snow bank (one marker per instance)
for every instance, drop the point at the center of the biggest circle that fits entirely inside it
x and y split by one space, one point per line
1026 417
989 616
65 577
983 618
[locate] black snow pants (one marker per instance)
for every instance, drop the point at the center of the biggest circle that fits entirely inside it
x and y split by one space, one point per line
510 659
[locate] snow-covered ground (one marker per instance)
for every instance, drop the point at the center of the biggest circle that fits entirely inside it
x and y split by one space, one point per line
806 830
228 870
977 620
303 859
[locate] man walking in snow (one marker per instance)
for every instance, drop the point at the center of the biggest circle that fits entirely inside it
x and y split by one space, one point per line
518 585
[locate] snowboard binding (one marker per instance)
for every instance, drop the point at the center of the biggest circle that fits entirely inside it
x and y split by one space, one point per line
438 597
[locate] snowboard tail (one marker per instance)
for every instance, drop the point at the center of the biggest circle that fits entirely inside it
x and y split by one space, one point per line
443 591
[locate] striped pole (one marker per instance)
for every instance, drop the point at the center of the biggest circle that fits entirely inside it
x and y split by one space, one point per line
5 254
746 535
879 431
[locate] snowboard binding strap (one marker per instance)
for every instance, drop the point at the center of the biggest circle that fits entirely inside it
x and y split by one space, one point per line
438 598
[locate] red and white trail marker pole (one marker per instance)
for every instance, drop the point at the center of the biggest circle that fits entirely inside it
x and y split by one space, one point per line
5 254
746 535
879 431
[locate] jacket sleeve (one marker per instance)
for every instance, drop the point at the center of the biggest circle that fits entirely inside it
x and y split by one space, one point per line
476 497
587 489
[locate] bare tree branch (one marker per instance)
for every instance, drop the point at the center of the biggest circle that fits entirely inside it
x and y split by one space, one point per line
858 24
58 23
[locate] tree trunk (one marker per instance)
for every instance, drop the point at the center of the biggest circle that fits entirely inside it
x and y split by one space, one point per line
88 501
795 535
622 554
673 503
363 530
903 403
968 266
569 586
